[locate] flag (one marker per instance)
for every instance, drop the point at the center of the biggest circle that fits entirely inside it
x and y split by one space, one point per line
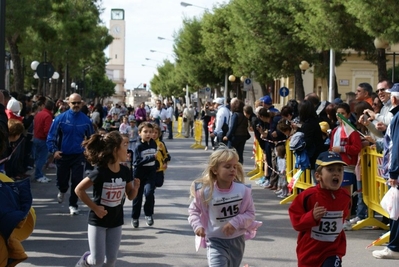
347 127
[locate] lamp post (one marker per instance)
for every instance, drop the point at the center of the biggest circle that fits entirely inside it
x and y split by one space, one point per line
185 4
148 66
163 38
153 60
304 66
43 70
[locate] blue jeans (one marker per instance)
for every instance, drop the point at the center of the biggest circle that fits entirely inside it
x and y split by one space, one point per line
40 154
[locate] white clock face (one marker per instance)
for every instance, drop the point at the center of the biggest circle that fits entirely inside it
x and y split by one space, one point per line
117 14
116 29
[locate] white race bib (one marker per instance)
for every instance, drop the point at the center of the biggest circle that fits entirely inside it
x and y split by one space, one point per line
112 193
329 228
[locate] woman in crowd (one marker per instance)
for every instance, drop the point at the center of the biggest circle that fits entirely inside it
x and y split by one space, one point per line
206 115
238 133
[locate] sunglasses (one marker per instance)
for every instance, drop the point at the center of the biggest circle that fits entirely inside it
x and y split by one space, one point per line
380 90
75 103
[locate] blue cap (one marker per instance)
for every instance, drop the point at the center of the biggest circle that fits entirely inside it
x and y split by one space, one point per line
394 89
327 158
266 100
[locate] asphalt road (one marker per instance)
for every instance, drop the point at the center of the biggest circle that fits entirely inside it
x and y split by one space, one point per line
59 239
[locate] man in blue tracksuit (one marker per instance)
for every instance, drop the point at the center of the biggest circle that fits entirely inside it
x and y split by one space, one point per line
64 141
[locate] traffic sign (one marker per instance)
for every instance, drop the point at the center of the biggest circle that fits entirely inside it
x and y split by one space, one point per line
247 84
284 91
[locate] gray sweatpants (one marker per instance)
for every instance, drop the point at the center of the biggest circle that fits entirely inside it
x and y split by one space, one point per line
104 245
225 252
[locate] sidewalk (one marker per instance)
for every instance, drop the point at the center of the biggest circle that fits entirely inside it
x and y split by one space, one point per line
59 239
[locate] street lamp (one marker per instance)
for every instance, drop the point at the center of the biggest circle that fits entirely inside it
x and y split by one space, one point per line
163 38
382 45
153 60
148 66
44 70
185 4
304 66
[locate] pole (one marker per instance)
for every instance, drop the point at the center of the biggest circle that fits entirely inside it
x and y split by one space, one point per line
226 90
66 78
187 96
393 68
2 42
332 78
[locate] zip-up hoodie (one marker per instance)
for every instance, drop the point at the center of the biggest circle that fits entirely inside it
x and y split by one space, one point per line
68 131
144 161
391 156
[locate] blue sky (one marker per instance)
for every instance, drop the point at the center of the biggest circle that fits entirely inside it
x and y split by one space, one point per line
146 20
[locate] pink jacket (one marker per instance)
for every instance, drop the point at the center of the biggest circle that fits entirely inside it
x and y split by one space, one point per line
243 222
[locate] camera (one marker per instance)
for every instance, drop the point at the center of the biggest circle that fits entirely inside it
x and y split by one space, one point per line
365 116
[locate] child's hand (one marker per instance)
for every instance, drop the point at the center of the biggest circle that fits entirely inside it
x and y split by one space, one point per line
100 211
200 232
318 212
228 229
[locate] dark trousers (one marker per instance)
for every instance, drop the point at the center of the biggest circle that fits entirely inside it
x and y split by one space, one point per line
239 144
70 167
170 130
206 133
147 188
394 236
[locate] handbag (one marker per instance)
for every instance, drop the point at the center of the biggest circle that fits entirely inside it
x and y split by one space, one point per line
184 119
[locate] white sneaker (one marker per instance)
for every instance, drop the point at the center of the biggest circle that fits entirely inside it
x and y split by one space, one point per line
282 195
386 253
266 183
278 192
206 148
355 220
73 210
82 261
43 179
347 226
60 197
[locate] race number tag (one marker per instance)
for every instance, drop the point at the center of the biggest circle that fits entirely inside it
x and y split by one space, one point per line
113 192
329 228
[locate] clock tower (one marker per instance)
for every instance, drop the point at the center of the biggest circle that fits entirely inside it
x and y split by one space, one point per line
116 64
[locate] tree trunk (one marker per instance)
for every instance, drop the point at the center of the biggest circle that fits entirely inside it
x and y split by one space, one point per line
382 64
17 71
299 89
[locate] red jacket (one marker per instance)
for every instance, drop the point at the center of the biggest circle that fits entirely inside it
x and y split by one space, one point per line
42 123
352 146
310 251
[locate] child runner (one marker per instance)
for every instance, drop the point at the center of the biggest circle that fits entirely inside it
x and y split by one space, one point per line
318 214
163 156
110 181
222 212
145 166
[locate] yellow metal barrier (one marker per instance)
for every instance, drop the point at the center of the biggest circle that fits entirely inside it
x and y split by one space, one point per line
304 181
179 128
255 148
258 172
197 135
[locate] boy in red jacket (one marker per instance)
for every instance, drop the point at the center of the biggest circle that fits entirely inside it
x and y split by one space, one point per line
318 214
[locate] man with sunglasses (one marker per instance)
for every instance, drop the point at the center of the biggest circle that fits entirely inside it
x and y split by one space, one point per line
64 141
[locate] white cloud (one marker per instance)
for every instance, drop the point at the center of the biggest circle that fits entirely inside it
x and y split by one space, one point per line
145 21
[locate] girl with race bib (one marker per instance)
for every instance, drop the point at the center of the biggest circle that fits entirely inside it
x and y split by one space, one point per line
318 214
222 212
110 181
